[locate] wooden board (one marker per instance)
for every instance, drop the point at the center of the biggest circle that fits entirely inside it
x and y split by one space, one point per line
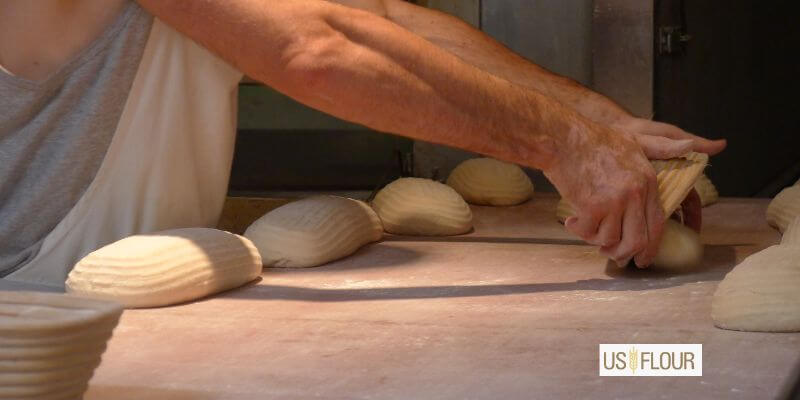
515 309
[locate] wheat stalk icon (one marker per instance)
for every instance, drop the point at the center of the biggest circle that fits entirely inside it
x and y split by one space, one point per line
633 359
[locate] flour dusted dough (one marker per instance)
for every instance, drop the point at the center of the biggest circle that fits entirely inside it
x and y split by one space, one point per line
706 190
761 294
784 208
314 231
50 343
166 267
487 181
416 206
680 249
792 235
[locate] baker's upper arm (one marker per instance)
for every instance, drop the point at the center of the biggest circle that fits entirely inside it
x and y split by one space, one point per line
258 37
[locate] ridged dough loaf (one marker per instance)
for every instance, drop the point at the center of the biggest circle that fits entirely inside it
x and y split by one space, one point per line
487 181
422 207
761 294
676 177
165 268
706 190
792 235
50 344
784 208
314 231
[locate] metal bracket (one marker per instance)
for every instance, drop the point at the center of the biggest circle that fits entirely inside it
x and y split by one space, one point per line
672 40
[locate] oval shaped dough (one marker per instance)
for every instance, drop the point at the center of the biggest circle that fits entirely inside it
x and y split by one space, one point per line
487 181
165 268
762 293
706 190
422 207
784 208
51 343
314 231
680 248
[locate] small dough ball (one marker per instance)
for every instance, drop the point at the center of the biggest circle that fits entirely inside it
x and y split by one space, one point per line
784 208
680 249
762 294
706 190
487 181
422 207
314 231
165 268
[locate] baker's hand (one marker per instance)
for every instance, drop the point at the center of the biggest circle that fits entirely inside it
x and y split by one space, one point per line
653 137
612 185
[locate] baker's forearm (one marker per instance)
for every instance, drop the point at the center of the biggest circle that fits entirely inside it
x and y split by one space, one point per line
366 69
480 50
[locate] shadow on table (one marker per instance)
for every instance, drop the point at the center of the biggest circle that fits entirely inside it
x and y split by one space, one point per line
485 239
719 260
375 255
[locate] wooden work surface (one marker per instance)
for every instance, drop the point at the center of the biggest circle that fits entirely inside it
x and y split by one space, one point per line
515 310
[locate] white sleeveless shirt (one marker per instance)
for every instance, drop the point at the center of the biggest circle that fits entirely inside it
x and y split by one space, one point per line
167 165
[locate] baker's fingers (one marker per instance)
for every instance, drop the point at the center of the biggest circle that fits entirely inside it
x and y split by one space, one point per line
699 144
662 148
634 232
655 224
584 226
609 232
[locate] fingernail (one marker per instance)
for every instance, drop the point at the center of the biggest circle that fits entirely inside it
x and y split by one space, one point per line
640 265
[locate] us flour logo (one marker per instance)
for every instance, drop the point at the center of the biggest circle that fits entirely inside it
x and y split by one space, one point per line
651 360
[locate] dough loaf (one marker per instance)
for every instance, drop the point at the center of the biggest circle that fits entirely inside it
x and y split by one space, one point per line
50 344
680 249
486 181
761 294
314 231
784 208
706 190
422 207
165 268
